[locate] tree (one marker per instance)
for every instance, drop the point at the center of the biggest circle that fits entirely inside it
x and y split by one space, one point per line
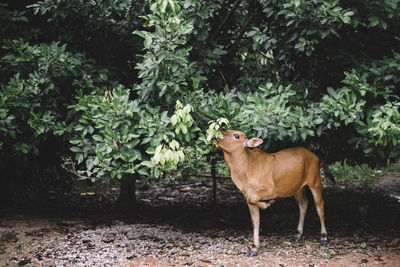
117 136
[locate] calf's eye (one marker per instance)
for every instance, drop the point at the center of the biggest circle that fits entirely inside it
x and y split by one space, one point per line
236 136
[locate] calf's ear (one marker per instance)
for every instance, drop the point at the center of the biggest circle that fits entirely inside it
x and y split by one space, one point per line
253 142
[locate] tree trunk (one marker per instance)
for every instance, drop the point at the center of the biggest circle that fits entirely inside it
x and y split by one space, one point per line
127 194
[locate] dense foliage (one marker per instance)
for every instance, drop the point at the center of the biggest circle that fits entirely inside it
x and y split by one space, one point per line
128 87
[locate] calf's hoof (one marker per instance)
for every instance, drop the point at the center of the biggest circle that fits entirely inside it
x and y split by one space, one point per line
296 238
253 254
324 241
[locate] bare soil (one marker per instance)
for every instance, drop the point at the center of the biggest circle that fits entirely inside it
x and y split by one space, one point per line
179 226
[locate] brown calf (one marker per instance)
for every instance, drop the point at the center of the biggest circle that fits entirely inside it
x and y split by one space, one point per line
263 176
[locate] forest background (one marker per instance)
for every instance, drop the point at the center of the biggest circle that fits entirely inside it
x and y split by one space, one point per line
122 89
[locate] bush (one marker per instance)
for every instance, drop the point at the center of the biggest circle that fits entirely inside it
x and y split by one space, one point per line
37 84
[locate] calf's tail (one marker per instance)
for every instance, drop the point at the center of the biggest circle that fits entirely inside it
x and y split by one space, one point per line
328 172
323 164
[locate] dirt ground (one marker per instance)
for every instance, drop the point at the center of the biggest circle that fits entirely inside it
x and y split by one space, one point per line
179 226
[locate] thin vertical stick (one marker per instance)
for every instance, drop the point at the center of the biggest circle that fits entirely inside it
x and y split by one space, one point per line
214 176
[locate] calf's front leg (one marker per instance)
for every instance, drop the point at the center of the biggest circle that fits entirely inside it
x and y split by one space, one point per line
255 220
261 194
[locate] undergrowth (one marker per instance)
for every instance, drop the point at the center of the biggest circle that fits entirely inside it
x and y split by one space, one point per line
358 173
392 169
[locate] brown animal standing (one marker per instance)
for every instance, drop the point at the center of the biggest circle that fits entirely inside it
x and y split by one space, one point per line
263 176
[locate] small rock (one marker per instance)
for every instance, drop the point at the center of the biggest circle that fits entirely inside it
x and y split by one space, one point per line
143 187
108 240
395 242
64 224
24 262
9 236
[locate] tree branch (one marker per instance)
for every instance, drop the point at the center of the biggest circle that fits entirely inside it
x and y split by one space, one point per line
242 30
235 5
223 77
73 171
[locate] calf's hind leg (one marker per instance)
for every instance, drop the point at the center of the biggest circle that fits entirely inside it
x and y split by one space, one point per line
319 204
302 201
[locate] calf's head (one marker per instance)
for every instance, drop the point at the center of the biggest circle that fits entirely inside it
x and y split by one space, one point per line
233 141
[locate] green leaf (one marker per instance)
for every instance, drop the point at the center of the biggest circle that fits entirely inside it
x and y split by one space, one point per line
146 140
318 121
368 150
98 138
332 92
147 164
89 163
79 157
303 135
163 6
143 171
174 120
150 150
373 21
156 173
184 128
76 149
172 4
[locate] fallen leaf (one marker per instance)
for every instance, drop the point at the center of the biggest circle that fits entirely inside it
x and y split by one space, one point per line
185 189
115 143
223 220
